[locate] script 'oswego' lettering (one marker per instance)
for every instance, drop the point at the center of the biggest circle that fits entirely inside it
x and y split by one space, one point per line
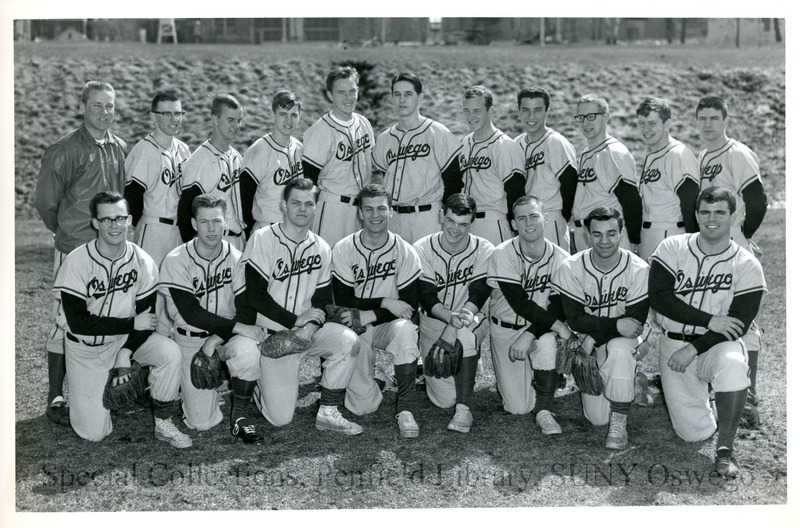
123 282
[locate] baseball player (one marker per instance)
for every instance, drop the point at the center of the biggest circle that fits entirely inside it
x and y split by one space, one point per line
604 295
493 167
606 175
287 275
527 316
337 156
86 161
376 271
270 163
670 180
107 289
151 172
419 160
203 283
550 164
214 167
452 291
706 290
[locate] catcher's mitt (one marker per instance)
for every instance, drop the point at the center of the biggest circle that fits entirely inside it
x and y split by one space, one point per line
335 316
586 374
284 343
205 370
114 398
566 350
444 358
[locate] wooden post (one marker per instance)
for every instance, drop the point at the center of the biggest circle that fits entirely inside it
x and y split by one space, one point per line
166 28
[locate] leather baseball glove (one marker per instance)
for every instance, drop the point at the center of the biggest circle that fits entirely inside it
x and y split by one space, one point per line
117 397
586 374
284 343
206 370
566 350
444 358
335 312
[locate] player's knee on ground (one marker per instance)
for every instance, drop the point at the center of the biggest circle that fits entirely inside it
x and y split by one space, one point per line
619 370
244 360
403 345
544 352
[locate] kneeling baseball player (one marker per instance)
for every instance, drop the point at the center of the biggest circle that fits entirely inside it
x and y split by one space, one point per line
108 291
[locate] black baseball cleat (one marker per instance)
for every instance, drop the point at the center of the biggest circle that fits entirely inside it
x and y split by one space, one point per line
726 465
58 412
247 432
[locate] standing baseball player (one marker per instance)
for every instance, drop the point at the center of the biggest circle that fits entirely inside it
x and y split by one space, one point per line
604 295
670 179
108 293
452 291
203 283
527 316
706 290
270 163
550 164
86 161
288 281
337 156
151 171
419 160
606 175
493 167
214 168
376 271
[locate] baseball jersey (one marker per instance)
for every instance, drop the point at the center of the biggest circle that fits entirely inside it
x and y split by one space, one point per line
600 171
341 152
603 293
271 166
156 170
706 282
214 283
452 274
413 161
293 270
214 171
109 287
374 273
545 161
509 264
663 172
486 166
733 166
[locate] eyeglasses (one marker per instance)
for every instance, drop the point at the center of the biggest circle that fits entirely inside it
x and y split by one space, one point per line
589 117
173 115
117 220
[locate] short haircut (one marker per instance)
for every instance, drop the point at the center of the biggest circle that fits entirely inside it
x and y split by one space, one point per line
95 86
654 104
480 91
712 101
286 100
533 93
106 197
301 184
716 194
167 95
341 72
602 214
524 200
224 100
373 190
461 204
596 99
208 201
408 77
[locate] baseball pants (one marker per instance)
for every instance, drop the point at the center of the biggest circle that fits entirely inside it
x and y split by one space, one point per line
157 238
493 227
87 374
398 338
413 226
236 241
556 229
724 366
55 343
584 241
335 219
617 369
652 236
200 408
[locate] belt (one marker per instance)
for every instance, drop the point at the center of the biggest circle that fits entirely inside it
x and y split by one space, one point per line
189 333
228 232
578 223
405 209
76 340
504 324
352 200
480 214
648 225
683 337
168 221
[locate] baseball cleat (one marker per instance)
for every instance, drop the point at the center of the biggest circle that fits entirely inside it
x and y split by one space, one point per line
725 464
330 419
408 426
166 431
548 423
58 412
247 432
617 437
462 419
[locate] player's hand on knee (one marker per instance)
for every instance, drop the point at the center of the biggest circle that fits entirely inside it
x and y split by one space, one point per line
520 347
399 308
465 317
145 321
682 358
629 327
587 345
312 315
730 327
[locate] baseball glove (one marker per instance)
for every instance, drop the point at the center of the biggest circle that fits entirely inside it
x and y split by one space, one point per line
115 398
444 358
205 370
284 343
335 315
586 374
566 350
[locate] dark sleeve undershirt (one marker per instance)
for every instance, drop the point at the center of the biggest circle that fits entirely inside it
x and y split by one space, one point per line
134 195
311 172
428 296
555 308
452 179
322 297
660 287
687 194
479 291
744 307
569 184
345 296
631 202
191 311
185 212
541 320
755 208
602 329
247 192
515 189
259 299
137 337
244 312
82 322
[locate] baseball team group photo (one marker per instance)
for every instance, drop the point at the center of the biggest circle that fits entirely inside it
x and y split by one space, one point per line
298 276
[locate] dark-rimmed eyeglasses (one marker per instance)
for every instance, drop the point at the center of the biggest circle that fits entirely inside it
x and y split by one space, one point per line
589 117
173 115
117 220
